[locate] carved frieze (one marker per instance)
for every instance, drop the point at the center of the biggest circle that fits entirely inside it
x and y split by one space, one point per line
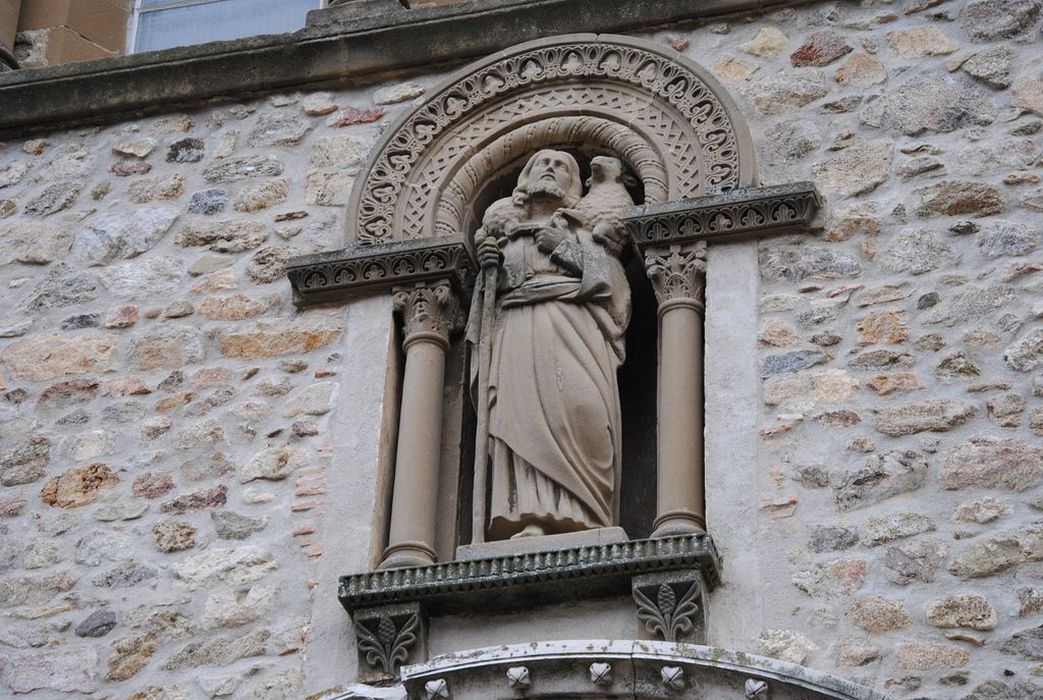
353 272
745 213
499 582
666 116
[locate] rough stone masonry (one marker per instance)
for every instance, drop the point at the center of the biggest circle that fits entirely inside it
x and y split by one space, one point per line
166 412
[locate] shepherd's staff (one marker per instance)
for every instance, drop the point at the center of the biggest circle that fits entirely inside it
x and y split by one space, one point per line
481 445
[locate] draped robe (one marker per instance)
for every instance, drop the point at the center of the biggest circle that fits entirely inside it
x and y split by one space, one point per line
554 415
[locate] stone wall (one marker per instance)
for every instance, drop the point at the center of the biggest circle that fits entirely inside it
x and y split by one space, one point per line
898 354
166 432
187 461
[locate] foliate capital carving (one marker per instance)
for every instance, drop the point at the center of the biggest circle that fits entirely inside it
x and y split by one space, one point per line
677 272
429 310
671 605
388 637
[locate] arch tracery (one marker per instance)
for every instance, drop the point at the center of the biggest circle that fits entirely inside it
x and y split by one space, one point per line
601 85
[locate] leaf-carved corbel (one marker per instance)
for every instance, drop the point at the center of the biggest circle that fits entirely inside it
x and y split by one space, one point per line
670 605
387 637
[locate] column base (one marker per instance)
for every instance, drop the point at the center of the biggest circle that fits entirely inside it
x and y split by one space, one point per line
678 522
406 554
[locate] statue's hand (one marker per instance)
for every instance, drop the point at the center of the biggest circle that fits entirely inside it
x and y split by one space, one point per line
488 250
549 238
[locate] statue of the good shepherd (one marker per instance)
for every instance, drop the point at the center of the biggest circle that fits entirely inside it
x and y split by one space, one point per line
549 414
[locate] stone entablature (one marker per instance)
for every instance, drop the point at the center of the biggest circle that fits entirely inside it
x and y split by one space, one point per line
748 212
339 275
567 574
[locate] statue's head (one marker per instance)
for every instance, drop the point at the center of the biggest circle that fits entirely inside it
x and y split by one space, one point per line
605 169
552 174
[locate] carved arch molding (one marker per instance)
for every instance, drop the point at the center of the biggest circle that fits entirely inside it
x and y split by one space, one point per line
666 117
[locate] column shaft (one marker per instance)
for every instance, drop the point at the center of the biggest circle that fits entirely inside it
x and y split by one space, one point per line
678 274
680 487
429 314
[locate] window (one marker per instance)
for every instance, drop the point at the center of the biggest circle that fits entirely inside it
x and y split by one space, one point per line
161 24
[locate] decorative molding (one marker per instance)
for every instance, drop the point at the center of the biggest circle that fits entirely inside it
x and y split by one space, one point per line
671 605
387 637
756 689
745 213
437 689
561 669
506 582
518 677
601 674
428 309
677 272
669 119
672 677
354 272
424 37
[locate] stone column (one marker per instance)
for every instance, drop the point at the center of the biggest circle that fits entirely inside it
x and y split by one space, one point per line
430 312
9 24
678 274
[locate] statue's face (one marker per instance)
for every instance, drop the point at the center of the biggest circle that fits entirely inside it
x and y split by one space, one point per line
552 168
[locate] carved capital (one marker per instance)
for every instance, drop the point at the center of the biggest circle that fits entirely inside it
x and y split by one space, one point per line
671 605
678 273
429 311
388 637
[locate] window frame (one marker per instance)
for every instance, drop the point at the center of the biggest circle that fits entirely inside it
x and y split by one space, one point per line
139 8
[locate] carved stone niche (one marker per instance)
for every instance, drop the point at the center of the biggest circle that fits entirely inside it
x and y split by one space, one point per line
411 218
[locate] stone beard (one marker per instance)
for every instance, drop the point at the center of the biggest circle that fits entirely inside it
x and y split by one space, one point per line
562 307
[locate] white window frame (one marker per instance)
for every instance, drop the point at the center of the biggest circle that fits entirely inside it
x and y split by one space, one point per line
138 9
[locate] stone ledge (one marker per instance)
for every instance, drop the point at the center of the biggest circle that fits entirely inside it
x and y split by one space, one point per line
749 212
353 272
522 581
336 49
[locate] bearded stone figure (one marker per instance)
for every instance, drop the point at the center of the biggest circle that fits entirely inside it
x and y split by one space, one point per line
553 335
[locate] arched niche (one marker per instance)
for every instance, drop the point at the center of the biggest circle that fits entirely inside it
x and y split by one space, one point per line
438 166
669 120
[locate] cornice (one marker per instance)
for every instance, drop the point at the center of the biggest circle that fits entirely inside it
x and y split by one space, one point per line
337 49
517 580
749 212
374 269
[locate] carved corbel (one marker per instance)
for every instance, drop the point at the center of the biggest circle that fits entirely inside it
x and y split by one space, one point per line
388 637
670 605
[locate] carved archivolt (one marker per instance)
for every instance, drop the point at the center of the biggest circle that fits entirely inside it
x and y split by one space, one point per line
664 116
